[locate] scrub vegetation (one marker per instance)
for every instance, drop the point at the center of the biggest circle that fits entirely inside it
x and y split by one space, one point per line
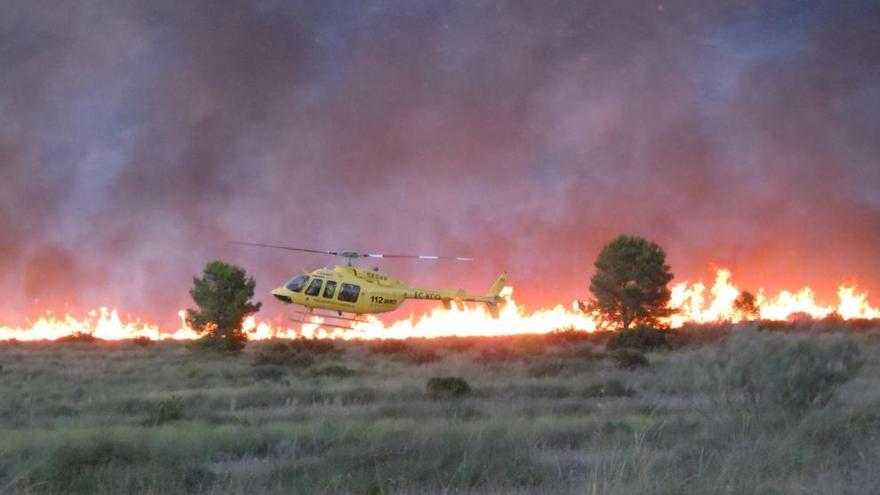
757 408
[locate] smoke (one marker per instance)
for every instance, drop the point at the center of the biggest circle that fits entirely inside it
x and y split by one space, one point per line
136 138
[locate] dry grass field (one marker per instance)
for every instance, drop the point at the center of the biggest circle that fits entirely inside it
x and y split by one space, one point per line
715 410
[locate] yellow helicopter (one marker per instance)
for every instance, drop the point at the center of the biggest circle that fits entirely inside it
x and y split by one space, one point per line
347 289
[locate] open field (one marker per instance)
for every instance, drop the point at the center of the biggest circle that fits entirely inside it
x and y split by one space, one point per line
718 410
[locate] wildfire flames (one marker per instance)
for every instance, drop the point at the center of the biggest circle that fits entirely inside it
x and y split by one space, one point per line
691 302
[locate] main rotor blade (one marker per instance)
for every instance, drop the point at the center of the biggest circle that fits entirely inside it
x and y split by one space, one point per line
287 248
353 254
418 257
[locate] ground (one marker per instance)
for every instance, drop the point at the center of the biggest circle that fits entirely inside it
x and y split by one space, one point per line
557 414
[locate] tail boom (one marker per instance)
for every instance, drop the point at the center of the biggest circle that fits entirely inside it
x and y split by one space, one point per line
491 298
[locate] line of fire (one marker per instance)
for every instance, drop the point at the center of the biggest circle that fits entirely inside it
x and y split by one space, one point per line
691 303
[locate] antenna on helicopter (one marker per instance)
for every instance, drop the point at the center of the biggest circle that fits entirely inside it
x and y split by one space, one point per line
350 255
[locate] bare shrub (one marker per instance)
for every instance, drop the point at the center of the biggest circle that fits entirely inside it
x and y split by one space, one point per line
797 372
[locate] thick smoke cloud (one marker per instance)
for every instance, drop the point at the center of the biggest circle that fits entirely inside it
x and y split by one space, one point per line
136 138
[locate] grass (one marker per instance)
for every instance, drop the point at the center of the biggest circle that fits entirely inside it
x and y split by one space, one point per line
556 414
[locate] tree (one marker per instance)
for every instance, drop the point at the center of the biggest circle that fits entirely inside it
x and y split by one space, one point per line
223 295
629 285
746 305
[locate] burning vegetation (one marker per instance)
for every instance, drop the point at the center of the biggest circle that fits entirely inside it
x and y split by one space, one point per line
630 287
691 303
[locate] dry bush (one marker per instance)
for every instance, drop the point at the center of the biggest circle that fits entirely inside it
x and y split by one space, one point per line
79 337
629 359
422 356
447 387
142 341
584 352
568 335
283 355
546 368
335 371
268 372
165 411
699 335
492 353
313 346
642 338
460 344
759 370
529 346
388 347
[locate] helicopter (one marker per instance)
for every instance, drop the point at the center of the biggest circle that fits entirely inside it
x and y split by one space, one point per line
348 289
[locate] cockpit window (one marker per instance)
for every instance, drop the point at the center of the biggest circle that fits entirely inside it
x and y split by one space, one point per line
296 284
349 293
330 289
314 287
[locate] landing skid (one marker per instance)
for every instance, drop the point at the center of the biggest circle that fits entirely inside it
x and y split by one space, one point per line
335 320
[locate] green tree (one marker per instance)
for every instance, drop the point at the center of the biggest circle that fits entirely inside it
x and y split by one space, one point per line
746 305
223 296
629 285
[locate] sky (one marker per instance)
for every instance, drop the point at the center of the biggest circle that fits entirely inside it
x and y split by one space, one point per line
138 138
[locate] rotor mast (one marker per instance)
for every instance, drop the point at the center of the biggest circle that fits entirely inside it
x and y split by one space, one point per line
349 256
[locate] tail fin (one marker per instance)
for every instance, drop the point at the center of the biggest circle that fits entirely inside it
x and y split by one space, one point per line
494 294
499 284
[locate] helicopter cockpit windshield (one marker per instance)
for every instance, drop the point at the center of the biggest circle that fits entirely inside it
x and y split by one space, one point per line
296 284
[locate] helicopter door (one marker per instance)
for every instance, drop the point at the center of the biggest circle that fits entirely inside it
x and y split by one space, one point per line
314 287
330 289
349 293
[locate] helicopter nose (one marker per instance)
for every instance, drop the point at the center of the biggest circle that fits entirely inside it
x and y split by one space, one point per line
281 296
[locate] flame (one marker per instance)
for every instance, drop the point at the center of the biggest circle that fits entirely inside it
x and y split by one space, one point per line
690 302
